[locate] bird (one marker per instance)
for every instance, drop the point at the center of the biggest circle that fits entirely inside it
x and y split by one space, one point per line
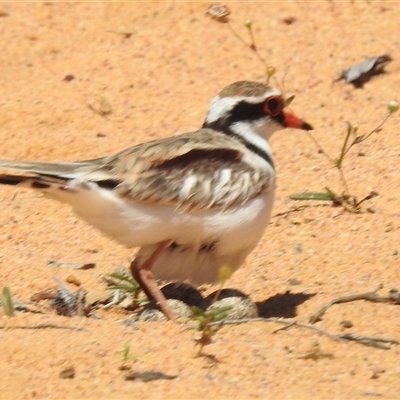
192 203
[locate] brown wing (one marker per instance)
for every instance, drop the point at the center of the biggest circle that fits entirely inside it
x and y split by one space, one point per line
203 169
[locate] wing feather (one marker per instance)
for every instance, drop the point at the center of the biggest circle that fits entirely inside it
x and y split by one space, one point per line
200 170
197 170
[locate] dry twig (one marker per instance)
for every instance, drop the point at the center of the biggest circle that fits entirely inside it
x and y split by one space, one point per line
369 296
42 326
380 343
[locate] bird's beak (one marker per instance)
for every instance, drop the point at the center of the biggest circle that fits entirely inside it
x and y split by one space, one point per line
291 121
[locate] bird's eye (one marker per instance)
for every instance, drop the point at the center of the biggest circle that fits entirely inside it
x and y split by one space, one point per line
274 105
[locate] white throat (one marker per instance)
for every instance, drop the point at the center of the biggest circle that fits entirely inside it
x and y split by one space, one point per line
256 132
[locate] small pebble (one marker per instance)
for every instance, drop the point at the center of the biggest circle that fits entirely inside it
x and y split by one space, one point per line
346 324
68 373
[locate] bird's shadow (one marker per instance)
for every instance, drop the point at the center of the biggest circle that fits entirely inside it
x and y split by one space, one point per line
282 305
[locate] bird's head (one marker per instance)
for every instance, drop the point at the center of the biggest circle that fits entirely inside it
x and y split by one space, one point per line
251 107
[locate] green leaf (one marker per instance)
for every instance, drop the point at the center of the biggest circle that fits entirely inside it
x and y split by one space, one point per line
197 312
124 288
324 196
122 277
126 283
358 139
7 302
220 313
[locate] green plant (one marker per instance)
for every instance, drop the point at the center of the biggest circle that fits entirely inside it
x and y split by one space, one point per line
204 319
126 283
221 13
347 200
125 354
7 302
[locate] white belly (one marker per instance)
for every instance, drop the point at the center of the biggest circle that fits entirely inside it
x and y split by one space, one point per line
140 224
207 239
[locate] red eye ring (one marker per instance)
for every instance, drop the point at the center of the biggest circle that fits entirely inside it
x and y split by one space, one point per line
274 105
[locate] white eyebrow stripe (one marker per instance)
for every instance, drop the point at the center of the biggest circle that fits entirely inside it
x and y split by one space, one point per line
220 106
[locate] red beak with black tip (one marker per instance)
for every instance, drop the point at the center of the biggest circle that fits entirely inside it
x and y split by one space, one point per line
291 121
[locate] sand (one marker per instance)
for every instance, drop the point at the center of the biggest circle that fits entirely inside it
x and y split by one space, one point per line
156 66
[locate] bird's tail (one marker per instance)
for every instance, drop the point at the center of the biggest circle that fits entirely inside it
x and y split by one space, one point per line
55 169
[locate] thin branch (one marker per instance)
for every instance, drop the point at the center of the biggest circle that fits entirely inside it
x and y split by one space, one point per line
376 129
251 46
369 296
370 341
42 326
288 323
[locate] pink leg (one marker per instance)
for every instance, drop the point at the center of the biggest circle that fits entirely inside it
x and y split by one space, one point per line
143 274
